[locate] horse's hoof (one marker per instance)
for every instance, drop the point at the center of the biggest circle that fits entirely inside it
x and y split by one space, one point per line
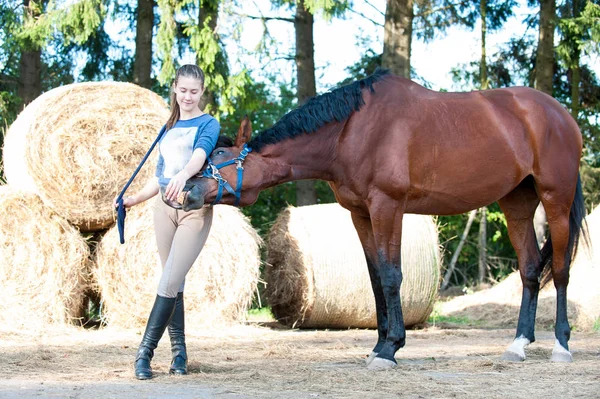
372 356
512 357
516 350
560 354
562 357
381 364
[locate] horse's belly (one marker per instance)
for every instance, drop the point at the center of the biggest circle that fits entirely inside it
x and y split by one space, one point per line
460 197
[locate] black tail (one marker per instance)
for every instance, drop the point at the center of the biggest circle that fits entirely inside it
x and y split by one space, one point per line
577 229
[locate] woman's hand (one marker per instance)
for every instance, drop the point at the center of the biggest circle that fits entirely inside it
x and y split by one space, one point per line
128 202
176 185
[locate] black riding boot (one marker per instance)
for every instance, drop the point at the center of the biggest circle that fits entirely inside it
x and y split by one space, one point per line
157 323
177 335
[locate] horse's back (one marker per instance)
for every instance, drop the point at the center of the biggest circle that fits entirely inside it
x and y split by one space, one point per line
456 151
522 111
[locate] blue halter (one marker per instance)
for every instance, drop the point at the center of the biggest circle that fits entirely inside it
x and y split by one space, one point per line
212 172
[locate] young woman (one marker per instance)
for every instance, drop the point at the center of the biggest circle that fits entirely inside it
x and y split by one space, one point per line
190 137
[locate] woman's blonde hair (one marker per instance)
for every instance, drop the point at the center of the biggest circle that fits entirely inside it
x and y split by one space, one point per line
189 71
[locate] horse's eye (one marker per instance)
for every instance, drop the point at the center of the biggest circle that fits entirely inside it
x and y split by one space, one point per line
220 152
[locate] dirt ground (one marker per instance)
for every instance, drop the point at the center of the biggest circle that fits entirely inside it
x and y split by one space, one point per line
259 361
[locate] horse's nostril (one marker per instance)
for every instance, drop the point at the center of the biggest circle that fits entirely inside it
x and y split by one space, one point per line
193 199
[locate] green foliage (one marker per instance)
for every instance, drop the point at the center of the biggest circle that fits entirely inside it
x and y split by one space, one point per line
365 66
436 317
75 21
590 182
263 105
63 29
580 32
432 18
166 41
501 255
260 314
329 8
9 62
9 105
179 23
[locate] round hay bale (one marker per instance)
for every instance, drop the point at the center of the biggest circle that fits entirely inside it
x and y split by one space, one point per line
43 264
218 289
317 275
76 146
499 305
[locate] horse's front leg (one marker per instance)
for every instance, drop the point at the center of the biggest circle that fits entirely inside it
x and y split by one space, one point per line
386 225
391 278
365 233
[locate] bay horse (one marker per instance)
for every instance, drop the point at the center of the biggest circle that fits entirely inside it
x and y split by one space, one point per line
388 146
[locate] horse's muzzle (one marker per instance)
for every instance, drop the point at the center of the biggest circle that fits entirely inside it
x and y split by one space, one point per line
191 198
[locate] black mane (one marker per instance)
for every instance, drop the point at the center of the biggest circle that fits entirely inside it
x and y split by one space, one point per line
337 105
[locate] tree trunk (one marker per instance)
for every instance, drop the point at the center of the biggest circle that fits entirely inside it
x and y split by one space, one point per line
142 64
483 65
575 69
306 193
30 66
209 10
544 62
397 36
483 270
575 82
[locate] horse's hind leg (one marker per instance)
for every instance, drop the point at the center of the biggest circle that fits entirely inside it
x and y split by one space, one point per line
519 208
558 224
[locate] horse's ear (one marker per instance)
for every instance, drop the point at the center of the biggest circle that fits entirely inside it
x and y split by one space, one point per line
244 132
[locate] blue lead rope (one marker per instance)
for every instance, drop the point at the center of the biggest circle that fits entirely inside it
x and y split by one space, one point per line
121 213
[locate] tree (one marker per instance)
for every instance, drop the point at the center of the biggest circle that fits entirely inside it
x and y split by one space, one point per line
29 86
142 65
207 18
185 25
397 37
544 63
580 27
306 193
9 62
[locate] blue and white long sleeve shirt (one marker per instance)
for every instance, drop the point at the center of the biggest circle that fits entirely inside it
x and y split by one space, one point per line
178 144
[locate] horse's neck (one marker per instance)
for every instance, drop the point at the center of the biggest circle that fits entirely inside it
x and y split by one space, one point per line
307 156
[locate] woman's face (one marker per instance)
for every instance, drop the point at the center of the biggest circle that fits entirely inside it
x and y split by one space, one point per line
188 92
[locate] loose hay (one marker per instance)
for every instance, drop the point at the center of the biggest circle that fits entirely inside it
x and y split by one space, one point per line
76 146
499 306
317 275
218 289
43 264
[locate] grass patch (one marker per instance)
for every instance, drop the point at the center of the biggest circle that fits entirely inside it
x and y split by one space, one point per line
260 314
437 318
596 325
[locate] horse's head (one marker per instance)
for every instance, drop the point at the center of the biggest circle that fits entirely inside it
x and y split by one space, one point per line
228 176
